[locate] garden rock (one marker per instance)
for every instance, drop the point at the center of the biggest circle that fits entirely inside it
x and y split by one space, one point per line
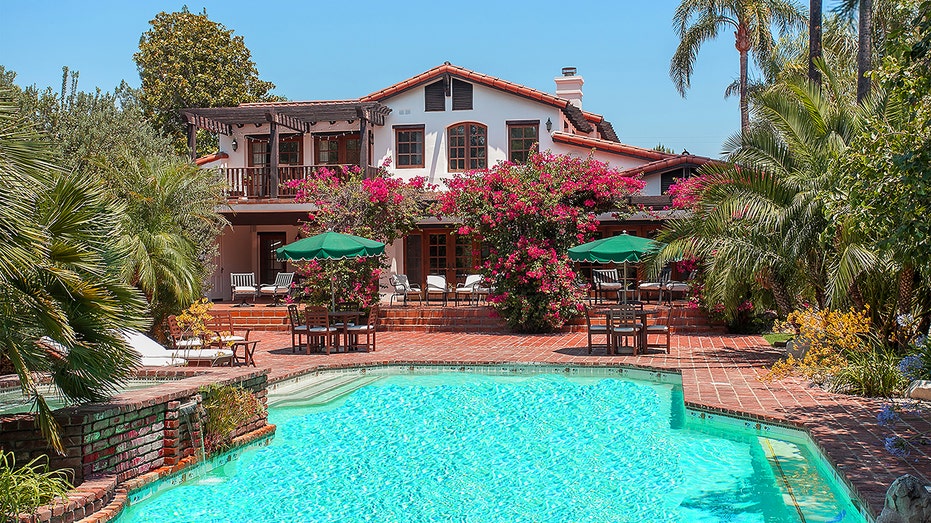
919 390
907 501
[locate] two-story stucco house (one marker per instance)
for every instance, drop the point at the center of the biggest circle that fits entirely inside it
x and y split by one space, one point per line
446 120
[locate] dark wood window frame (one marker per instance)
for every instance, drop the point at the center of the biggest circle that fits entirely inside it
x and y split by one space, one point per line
467 154
287 155
346 154
405 141
526 143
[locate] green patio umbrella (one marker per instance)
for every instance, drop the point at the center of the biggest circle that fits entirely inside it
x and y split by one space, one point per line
330 246
622 248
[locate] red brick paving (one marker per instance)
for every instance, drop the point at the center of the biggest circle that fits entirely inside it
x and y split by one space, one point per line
718 372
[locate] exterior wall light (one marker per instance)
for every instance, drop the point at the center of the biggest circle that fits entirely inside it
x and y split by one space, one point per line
235 144
549 127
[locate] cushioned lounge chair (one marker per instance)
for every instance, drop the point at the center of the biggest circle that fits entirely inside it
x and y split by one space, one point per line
471 288
277 290
404 289
243 284
436 285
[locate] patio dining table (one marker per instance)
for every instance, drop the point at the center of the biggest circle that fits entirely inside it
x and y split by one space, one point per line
342 320
641 315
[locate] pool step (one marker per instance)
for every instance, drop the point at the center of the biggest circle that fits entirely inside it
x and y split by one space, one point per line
318 390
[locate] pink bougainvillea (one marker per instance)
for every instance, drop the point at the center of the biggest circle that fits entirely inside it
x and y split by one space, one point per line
686 192
380 207
529 215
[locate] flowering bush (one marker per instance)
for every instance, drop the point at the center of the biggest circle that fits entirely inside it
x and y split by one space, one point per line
686 192
529 215
195 318
381 208
832 337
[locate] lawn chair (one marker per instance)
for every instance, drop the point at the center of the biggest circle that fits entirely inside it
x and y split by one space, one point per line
191 348
436 284
243 284
471 288
682 287
655 286
222 332
404 288
606 281
281 287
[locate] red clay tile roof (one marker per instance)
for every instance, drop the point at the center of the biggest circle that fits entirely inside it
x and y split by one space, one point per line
667 163
210 158
581 120
611 147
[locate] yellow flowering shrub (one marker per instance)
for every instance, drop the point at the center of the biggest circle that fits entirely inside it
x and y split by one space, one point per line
195 317
831 336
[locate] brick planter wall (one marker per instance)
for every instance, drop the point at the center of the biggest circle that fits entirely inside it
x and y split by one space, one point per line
134 433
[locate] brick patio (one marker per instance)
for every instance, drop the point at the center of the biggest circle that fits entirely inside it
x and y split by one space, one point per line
718 372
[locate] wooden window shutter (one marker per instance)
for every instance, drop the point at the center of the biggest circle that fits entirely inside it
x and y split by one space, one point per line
462 95
435 97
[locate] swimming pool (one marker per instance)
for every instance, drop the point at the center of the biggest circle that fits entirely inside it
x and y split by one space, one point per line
12 400
450 446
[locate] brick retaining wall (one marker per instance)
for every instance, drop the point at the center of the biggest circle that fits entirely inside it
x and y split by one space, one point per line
132 434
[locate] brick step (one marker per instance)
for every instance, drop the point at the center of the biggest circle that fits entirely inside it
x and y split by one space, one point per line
455 319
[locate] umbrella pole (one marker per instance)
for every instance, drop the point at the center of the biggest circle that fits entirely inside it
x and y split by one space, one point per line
624 284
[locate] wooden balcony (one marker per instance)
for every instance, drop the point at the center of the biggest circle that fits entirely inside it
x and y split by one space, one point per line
256 182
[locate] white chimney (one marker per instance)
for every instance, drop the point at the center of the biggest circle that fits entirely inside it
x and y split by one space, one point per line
569 86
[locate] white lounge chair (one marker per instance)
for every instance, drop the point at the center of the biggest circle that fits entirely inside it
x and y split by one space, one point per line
151 353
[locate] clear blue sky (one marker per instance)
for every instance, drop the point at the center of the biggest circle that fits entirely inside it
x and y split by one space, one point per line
346 49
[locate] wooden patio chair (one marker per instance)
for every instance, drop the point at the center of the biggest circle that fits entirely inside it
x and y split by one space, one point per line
298 326
281 287
596 328
623 325
366 329
319 329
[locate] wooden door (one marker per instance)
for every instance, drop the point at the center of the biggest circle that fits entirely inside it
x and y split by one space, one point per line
269 266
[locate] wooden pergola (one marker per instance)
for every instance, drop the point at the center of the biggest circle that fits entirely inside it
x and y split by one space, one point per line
296 116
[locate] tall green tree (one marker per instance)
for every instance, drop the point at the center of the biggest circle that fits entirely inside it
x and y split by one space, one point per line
762 222
814 40
889 170
61 299
169 227
698 21
188 60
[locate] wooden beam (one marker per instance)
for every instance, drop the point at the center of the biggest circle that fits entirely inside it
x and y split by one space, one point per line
273 159
363 146
192 140
209 124
290 122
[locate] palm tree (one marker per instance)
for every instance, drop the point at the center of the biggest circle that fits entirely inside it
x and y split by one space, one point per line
763 220
865 50
697 21
814 41
170 228
61 300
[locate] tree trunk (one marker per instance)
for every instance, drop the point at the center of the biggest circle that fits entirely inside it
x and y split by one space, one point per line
742 43
814 42
782 297
865 49
906 283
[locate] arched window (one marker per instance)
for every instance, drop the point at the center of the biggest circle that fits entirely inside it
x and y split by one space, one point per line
468 146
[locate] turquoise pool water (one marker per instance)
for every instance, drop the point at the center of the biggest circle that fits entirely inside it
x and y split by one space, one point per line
476 448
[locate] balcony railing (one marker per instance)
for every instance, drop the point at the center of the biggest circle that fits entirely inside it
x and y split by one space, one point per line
255 182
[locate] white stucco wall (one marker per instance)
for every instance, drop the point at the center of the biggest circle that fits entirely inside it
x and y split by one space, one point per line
491 108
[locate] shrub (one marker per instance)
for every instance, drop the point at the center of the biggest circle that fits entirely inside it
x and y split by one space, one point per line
24 489
529 215
872 373
227 408
833 336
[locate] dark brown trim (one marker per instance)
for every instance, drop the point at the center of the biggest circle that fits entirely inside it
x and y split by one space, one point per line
403 127
397 141
522 122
